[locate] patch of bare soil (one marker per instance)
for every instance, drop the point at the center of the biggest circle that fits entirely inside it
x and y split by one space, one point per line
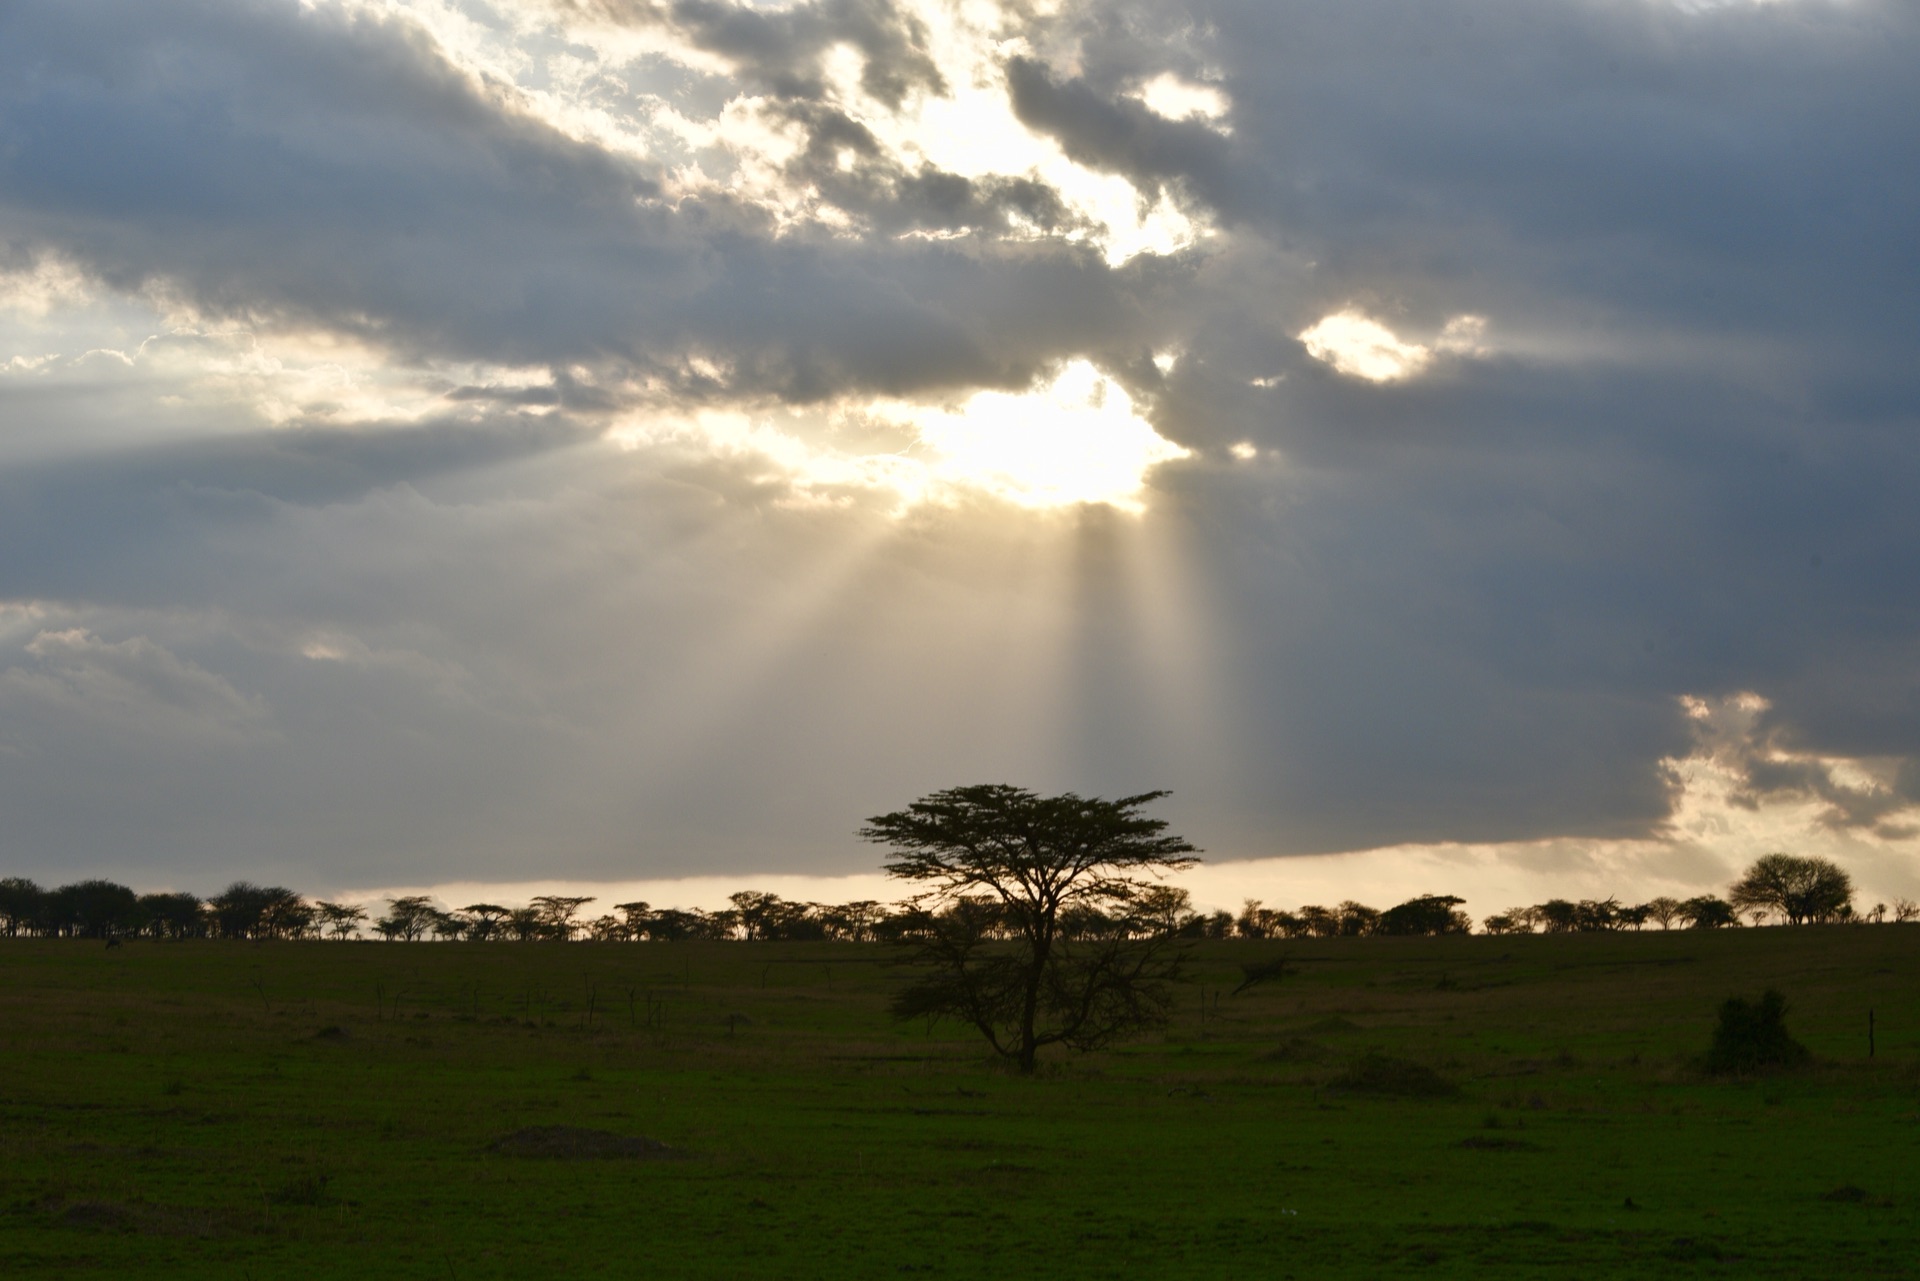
574 1143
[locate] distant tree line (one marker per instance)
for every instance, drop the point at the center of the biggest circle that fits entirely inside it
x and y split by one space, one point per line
1778 887
1566 916
98 909
1427 914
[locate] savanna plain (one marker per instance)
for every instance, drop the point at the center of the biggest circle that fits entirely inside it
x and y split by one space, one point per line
315 1109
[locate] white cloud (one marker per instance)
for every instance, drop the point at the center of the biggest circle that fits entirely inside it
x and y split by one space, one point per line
1357 345
1076 437
1175 98
1362 347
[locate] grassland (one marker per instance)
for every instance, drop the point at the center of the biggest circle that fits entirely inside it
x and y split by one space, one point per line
319 1110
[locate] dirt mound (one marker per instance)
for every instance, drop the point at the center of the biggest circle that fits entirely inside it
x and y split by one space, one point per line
1389 1077
572 1143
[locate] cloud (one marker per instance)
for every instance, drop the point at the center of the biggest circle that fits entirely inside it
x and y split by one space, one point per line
125 688
780 50
327 168
1116 132
508 405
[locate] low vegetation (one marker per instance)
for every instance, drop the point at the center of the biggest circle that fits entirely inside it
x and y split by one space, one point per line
1752 1037
706 1109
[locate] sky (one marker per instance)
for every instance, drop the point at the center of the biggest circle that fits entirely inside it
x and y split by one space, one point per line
506 444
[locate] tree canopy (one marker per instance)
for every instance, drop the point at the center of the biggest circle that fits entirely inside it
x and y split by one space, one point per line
1038 924
1801 890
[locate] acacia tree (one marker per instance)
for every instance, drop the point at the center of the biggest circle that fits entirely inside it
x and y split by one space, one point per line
247 911
484 920
408 918
557 912
342 918
1003 867
1427 914
1800 889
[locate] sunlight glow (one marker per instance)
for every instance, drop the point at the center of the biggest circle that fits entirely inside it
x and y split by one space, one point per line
1176 99
1074 440
1361 347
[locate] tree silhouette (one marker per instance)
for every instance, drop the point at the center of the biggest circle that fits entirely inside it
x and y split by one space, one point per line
485 920
1708 913
1800 889
1664 910
247 911
1319 922
755 911
1357 919
407 919
1428 914
854 921
172 916
341 918
557 912
92 910
20 901
1004 866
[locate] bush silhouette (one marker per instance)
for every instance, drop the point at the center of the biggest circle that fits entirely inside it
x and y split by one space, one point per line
1376 1073
1752 1037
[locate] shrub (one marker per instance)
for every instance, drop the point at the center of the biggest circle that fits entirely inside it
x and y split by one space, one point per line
1752 1037
1376 1073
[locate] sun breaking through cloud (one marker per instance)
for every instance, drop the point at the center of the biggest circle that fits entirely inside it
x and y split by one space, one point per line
655 435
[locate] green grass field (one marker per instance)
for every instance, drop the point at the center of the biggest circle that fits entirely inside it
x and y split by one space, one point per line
316 1110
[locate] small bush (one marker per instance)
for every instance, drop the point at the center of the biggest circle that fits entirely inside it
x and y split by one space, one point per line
1752 1037
1376 1073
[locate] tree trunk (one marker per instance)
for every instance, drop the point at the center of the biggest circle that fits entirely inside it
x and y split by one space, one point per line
1030 1007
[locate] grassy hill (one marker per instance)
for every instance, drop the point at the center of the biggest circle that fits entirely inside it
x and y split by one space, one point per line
1487 1107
